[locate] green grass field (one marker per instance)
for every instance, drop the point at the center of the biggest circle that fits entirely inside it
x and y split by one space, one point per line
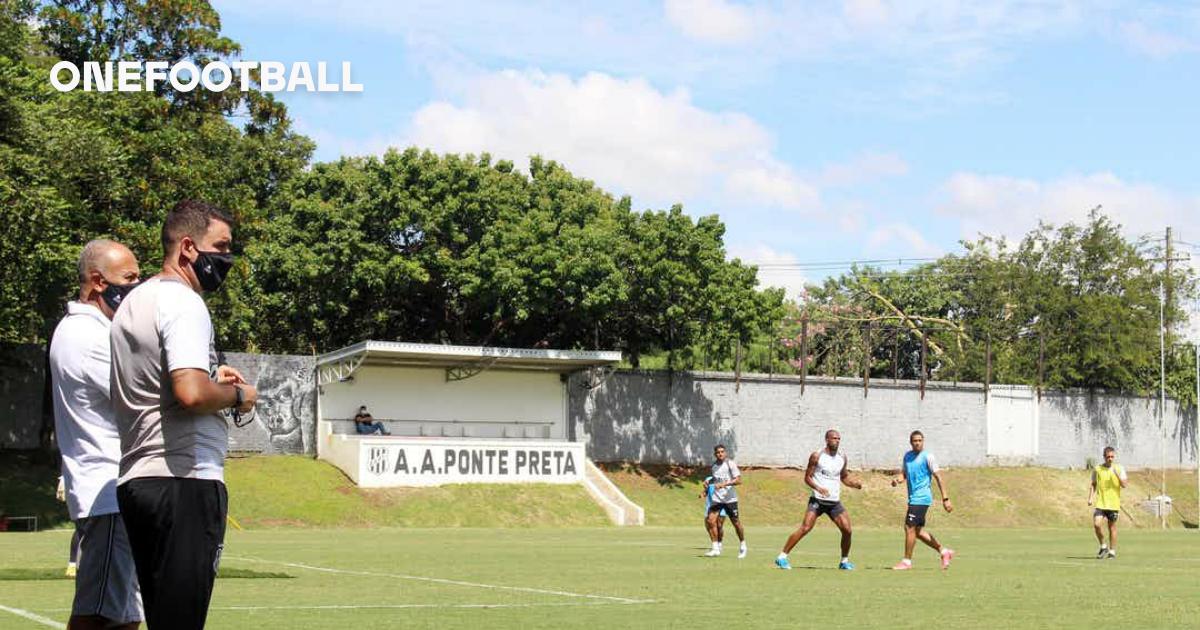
655 578
320 553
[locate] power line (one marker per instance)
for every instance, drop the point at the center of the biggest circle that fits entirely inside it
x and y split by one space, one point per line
842 263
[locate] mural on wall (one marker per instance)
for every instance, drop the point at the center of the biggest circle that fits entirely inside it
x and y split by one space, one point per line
285 417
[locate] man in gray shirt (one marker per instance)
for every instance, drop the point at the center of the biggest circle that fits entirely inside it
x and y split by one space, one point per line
168 391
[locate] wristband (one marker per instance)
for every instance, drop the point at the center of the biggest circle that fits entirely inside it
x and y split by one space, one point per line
944 499
238 397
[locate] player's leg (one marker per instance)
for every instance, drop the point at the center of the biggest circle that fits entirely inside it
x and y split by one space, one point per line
842 520
924 536
806 525
721 528
1112 535
73 558
1098 524
710 524
714 534
735 517
810 519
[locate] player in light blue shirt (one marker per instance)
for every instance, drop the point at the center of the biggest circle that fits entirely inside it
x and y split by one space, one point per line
709 490
917 470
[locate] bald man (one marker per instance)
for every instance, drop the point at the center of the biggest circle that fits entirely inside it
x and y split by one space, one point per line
106 587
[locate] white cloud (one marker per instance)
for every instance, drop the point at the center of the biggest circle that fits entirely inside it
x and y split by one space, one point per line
712 21
1154 43
912 244
625 134
1010 206
866 167
775 268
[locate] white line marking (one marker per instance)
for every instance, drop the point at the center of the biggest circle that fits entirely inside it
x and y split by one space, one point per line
32 617
419 578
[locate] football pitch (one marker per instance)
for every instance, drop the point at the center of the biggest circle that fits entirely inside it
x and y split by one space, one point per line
655 578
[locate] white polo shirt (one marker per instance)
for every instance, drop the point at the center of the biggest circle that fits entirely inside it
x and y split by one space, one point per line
84 420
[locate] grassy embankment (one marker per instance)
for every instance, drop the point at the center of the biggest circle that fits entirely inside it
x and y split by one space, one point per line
271 492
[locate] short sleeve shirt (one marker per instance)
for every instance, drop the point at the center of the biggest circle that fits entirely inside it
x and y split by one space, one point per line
721 473
84 423
163 326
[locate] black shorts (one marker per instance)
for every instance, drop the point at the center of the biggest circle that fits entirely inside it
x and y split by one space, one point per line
916 515
833 508
1109 515
176 531
731 509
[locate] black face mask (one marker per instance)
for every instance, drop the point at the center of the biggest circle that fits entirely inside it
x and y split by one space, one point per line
114 294
211 269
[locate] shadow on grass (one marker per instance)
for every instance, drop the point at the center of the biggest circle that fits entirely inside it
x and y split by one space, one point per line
667 476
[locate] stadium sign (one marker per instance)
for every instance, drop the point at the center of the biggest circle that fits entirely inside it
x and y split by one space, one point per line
386 462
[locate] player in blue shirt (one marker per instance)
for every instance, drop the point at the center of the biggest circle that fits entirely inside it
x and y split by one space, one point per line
709 490
918 468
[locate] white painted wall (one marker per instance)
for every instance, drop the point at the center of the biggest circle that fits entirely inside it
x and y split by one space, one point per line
1012 424
421 402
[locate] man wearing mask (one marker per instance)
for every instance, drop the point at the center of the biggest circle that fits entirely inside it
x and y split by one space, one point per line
168 392
106 587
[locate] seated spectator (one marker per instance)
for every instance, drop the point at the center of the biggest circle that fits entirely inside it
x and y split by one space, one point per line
365 424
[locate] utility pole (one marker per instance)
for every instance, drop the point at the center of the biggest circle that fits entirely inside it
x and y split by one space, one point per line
1164 303
1167 279
1162 397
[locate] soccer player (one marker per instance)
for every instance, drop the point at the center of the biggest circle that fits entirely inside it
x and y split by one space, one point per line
916 470
1105 492
825 474
106 585
707 496
168 390
725 476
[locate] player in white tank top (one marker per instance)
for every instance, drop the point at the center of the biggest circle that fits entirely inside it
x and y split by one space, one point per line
826 473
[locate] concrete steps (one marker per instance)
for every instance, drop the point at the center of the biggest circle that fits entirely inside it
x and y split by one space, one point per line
621 511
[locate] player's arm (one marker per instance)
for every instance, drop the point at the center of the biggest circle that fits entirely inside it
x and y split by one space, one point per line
1121 476
848 480
197 393
1092 488
937 476
811 470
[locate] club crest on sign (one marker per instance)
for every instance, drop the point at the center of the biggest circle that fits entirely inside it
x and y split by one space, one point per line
377 460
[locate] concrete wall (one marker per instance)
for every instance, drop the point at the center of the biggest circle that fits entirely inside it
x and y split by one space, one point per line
283 421
657 417
419 401
1078 425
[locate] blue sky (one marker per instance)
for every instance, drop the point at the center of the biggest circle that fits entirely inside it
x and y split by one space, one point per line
819 131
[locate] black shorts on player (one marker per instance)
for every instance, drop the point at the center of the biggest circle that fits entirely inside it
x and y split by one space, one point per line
833 508
1109 515
916 515
731 509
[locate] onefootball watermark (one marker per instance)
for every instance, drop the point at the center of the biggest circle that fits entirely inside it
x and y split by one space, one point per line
185 76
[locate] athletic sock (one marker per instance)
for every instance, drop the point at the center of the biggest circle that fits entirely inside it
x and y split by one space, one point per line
845 558
781 556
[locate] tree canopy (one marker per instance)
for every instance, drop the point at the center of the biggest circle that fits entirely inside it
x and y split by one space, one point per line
417 246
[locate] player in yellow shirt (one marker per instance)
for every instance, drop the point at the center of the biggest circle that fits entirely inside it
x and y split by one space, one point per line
1107 480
